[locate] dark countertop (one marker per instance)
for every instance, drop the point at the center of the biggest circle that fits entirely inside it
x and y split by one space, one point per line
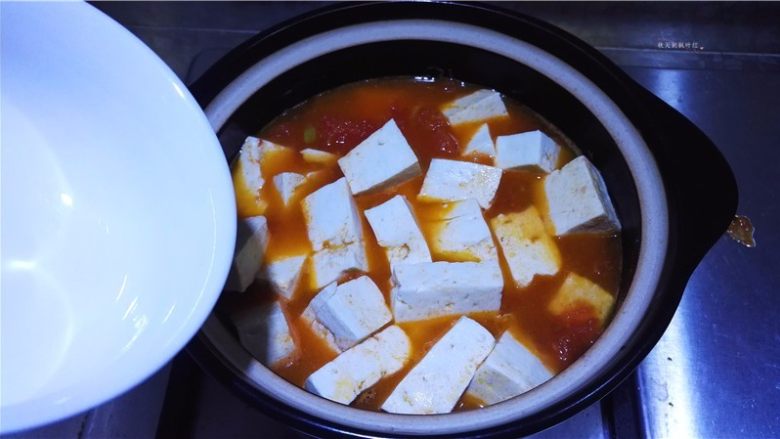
716 371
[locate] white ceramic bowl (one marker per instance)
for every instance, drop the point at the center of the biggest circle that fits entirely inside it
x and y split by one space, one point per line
118 214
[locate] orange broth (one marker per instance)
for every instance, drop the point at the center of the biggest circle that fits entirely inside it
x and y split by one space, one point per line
339 120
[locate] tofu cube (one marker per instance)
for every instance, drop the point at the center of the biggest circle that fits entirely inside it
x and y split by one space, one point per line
335 232
462 235
532 150
332 218
527 248
452 180
309 316
284 275
355 310
436 383
510 370
397 231
318 157
286 183
434 289
480 144
476 107
577 292
265 333
578 200
249 174
383 160
251 243
249 159
328 264
362 366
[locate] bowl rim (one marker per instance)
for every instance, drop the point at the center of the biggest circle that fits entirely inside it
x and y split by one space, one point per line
650 191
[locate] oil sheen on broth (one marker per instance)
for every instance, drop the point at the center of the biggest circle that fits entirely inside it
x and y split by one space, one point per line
337 121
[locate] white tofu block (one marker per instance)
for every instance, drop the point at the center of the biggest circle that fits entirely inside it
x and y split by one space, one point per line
397 231
532 150
433 289
383 160
286 183
463 235
577 291
328 264
265 333
355 310
476 107
250 158
309 315
480 144
335 231
436 383
452 180
284 275
526 246
578 200
247 175
316 156
510 370
251 243
332 218
361 367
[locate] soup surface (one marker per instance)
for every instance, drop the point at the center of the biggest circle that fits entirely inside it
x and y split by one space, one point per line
339 120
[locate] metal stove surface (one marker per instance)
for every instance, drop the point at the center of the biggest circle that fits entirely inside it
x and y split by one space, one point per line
715 372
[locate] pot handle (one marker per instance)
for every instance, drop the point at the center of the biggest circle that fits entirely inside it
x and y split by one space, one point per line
700 185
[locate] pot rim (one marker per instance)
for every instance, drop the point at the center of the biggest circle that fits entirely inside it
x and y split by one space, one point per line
647 179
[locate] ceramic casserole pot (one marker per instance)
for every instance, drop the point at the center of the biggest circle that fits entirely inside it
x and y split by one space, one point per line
673 191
